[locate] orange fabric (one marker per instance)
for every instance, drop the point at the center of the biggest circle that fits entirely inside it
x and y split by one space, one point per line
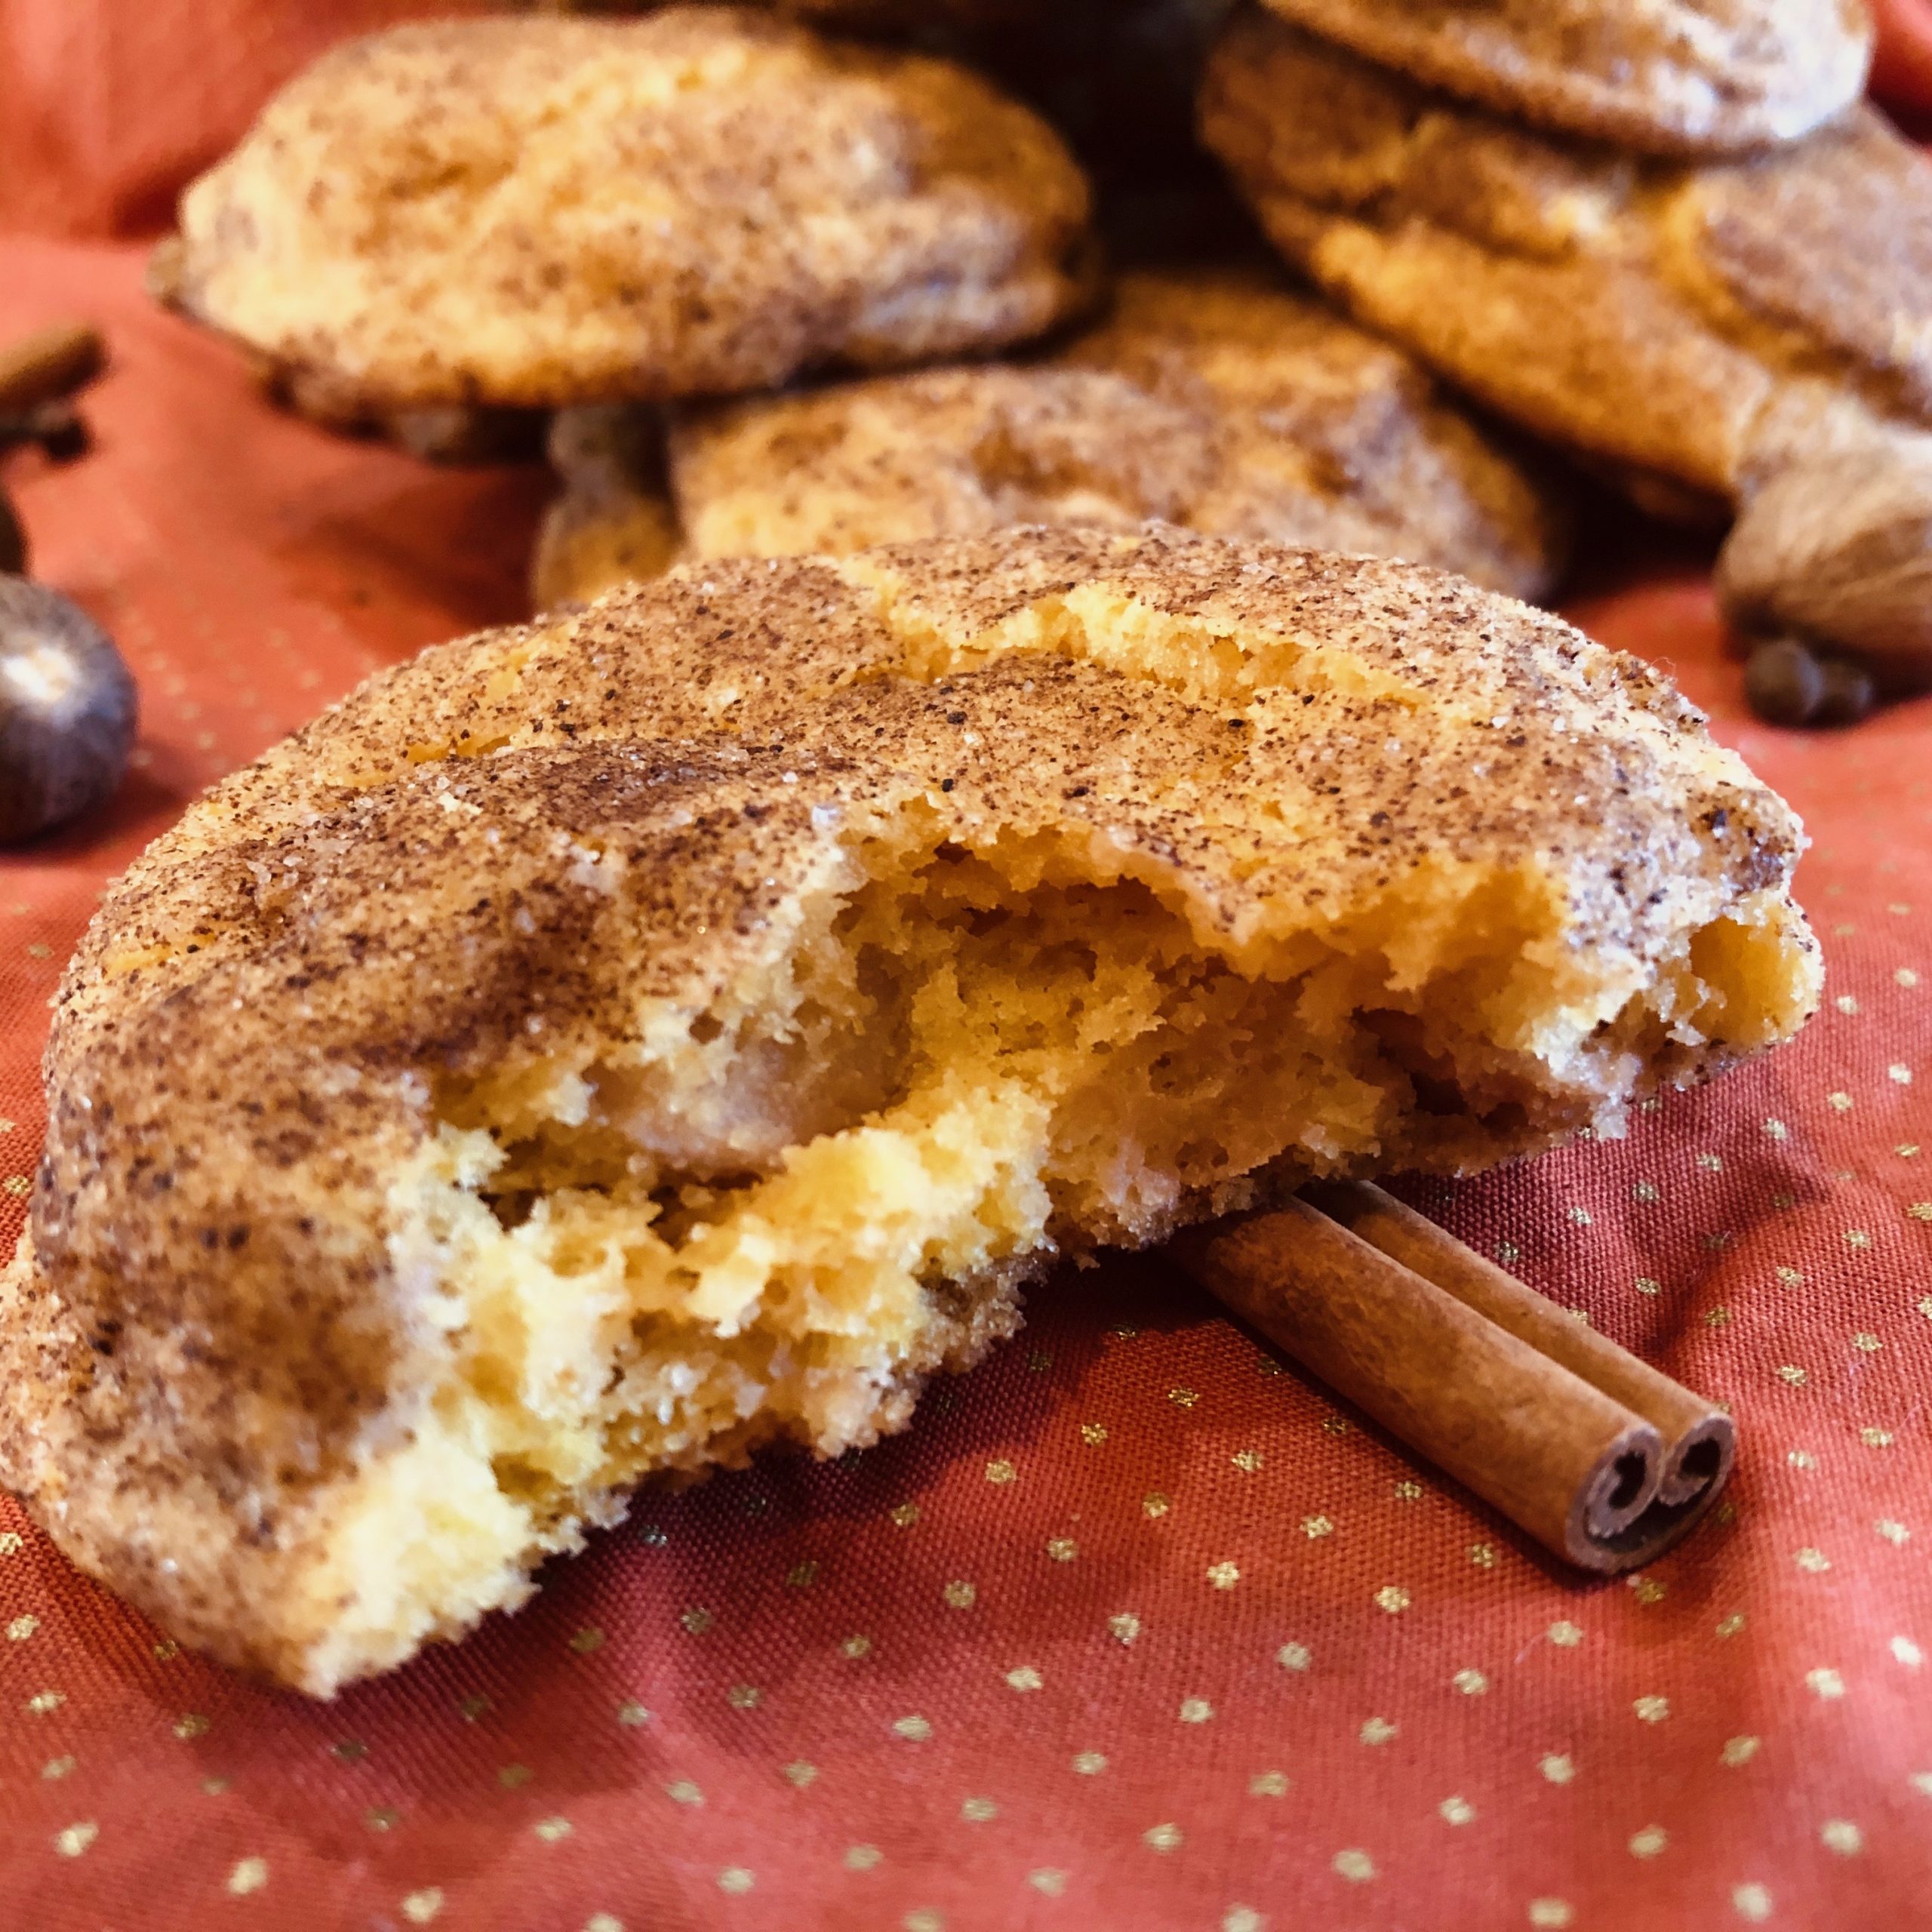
1134 1629
110 105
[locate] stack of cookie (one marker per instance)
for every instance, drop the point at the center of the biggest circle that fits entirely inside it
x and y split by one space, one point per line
1667 238
669 224
755 275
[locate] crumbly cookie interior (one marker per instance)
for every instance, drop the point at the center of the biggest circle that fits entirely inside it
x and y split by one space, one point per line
772 1217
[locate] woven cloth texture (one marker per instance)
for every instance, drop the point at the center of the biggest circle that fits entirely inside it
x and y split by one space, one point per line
1135 1628
108 106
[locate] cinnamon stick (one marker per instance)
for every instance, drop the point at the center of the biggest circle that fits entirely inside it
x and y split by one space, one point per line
1700 1440
1601 1459
51 363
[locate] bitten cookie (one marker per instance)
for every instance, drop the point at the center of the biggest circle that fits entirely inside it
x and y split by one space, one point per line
538 211
601 1048
1218 401
1664 77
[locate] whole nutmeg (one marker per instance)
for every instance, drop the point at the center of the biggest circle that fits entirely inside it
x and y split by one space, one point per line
66 711
1838 547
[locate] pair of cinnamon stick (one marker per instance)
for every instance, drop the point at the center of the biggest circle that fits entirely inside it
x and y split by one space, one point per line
1601 1458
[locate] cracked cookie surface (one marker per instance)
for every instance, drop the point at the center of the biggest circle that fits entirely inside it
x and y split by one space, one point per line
1682 322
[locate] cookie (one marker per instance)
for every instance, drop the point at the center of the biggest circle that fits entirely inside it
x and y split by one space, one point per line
1116 77
1321 434
1218 401
1689 324
888 16
594 1049
532 212
1669 77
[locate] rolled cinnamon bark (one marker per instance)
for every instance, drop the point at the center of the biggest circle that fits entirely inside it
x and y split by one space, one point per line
52 362
1602 1460
1700 1440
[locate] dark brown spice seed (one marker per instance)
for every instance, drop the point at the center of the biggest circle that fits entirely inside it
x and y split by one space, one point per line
1848 695
1784 683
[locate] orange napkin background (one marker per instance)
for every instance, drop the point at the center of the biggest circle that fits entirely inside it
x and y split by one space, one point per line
1135 1629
